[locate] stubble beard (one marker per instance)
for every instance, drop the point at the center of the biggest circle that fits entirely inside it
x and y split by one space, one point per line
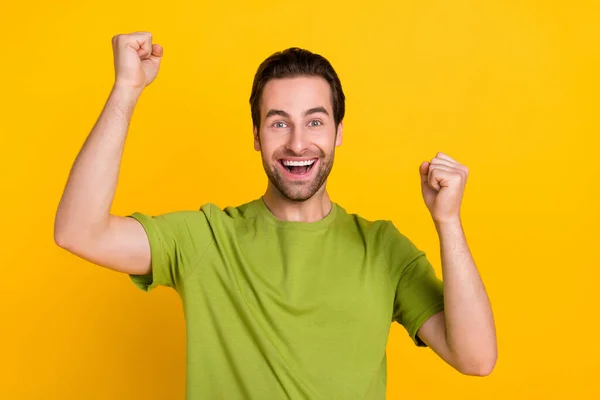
298 191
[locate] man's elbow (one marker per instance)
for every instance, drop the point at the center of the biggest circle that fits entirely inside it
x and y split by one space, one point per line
63 239
480 366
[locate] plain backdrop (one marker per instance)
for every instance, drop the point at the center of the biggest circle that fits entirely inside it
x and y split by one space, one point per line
508 88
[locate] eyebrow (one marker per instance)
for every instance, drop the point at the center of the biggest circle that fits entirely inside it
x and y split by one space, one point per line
316 110
284 114
281 113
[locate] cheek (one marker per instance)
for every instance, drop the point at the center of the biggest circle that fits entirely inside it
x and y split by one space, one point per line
325 142
270 145
267 149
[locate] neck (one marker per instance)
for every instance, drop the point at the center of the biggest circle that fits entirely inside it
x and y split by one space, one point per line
311 210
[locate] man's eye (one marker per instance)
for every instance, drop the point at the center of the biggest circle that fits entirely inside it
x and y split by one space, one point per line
315 123
279 124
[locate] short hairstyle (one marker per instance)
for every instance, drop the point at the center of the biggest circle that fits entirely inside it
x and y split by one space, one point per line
294 62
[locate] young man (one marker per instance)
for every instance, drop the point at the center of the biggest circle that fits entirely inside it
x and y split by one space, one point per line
287 296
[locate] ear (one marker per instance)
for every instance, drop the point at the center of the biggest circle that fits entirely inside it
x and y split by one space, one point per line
339 134
256 140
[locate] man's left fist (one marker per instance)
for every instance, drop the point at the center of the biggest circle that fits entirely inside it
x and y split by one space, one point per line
443 183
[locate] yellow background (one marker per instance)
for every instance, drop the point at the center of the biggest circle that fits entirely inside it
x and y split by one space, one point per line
508 88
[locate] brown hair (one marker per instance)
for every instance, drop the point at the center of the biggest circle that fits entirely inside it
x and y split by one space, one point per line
291 63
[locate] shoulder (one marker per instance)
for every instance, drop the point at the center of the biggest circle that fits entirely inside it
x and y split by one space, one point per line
381 232
214 213
171 218
384 233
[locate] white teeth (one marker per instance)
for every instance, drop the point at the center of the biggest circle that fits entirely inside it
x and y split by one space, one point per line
288 163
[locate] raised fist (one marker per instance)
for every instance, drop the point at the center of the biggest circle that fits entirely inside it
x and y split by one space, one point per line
137 60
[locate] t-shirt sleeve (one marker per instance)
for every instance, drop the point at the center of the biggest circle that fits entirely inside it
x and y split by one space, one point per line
419 292
177 241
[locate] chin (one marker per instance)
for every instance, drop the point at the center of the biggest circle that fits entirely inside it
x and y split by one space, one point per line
298 187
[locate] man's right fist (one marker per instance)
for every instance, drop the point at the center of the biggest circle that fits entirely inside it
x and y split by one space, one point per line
136 59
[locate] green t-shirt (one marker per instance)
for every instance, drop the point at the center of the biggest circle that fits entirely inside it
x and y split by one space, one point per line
288 310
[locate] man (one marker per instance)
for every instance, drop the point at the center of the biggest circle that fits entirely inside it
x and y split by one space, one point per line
287 296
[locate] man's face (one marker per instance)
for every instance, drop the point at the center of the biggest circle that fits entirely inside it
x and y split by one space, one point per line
297 137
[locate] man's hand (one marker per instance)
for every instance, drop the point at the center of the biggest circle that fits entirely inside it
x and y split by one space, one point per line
137 60
443 182
464 334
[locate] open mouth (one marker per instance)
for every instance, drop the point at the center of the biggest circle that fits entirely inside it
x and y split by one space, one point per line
298 167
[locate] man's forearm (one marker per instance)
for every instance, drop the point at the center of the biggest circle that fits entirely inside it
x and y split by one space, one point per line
470 330
90 189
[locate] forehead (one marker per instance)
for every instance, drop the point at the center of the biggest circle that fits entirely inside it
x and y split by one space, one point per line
296 95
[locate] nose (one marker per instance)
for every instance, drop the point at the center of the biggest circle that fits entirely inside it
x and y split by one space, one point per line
297 141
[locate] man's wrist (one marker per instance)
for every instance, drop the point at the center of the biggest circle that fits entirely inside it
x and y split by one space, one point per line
448 224
124 98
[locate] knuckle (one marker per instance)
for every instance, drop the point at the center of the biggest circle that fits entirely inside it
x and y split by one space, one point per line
145 34
120 39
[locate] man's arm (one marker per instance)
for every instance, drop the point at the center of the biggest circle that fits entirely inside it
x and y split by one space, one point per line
463 334
83 223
